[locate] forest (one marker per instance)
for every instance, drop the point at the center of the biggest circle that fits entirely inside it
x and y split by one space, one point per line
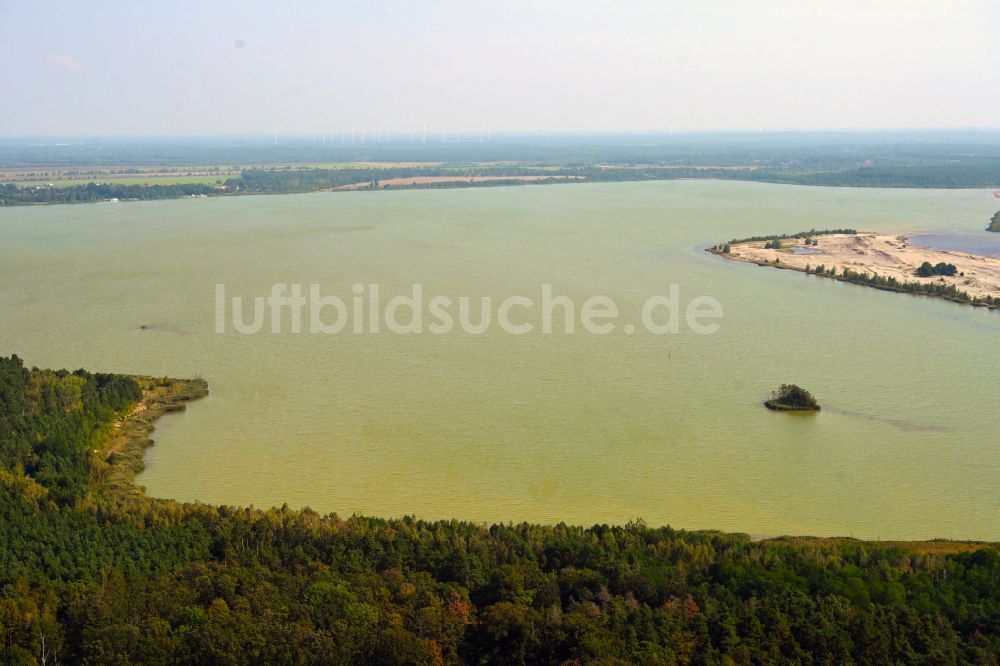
94 571
994 222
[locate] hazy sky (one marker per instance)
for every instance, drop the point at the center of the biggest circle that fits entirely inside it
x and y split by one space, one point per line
253 67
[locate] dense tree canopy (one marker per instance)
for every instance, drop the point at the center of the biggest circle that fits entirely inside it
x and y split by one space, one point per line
50 422
926 269
792 396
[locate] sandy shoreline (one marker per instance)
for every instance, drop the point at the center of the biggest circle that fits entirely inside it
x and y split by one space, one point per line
886 255
413 181
120 458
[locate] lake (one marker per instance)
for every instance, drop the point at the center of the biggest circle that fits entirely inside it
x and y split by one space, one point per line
986 243
581 428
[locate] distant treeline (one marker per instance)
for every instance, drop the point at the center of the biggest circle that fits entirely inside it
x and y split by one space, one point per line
13 195
91 575
289 180
812 233
943 176
273 181
267 181
801 152
300 180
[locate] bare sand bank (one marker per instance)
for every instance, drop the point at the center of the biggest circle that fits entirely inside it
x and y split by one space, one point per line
415 181
885 255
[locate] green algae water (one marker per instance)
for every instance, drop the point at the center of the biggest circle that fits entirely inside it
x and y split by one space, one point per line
579 428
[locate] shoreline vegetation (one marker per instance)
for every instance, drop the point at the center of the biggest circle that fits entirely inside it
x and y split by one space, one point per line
882 261
92 570
110 574
124 451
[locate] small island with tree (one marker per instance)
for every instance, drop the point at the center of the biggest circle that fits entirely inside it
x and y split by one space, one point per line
994 222
792 398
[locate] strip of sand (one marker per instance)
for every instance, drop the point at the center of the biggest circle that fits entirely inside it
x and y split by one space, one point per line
414 181
886 255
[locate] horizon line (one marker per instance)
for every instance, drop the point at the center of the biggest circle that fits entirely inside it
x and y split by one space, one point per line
665 133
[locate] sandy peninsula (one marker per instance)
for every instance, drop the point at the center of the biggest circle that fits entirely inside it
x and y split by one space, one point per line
886 255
